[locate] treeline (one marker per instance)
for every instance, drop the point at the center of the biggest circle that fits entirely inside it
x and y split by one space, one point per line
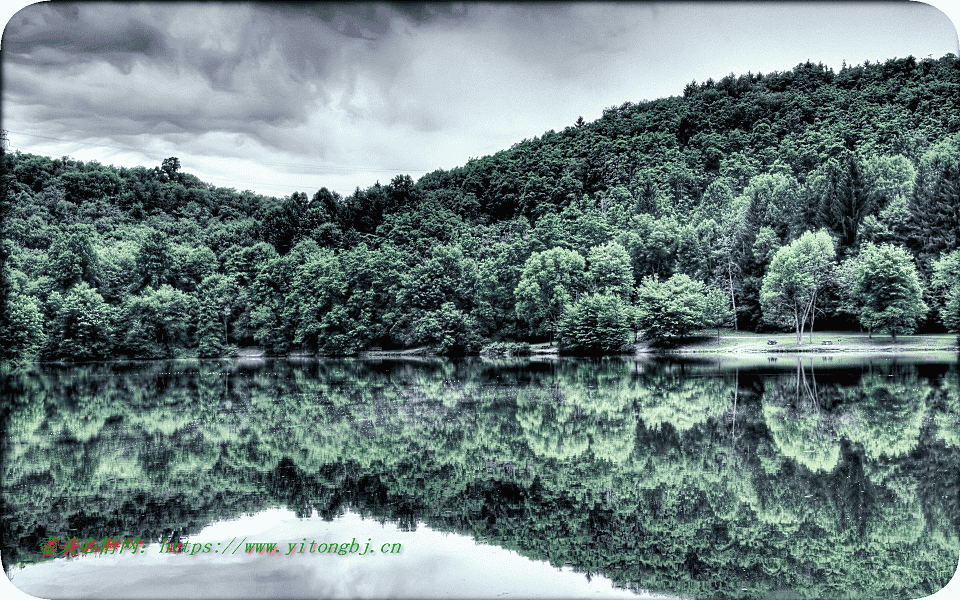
658 219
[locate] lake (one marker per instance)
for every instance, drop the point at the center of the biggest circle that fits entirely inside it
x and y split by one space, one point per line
784 477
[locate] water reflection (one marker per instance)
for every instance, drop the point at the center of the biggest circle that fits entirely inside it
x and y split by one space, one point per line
795 478
429 564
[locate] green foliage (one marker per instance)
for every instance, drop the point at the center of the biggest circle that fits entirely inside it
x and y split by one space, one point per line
935 204
499 267
710 185
671 309
117 265
596 324
82 325
610 271
219 303
797 275
550 281
159 322
155 260
73 257
448 330
717 311
946 286
506 349
883 283
24 336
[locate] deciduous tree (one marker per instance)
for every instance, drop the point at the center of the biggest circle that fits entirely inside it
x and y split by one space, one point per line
797 275
884 285
550 280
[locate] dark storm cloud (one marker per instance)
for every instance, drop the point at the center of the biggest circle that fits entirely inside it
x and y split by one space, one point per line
163 67
51 34
240 68
368 20
362 87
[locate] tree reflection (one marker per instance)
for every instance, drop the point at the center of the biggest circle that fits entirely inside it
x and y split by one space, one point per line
658 475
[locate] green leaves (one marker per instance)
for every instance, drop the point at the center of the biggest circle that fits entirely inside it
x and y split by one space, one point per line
671 309
883 282
796 276
159 323
610 271
73 257
596 324
82 325
946 285
550 280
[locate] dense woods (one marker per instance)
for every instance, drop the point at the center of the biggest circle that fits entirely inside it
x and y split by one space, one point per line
755 201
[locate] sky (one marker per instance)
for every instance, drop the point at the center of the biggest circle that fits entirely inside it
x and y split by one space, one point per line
278 98
428 564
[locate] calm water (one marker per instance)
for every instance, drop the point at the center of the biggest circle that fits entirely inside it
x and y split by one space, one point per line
800 477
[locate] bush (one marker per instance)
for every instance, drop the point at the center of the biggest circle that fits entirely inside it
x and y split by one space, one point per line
448 330
596 324
676 308
506 349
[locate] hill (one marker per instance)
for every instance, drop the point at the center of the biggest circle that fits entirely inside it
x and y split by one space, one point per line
102 261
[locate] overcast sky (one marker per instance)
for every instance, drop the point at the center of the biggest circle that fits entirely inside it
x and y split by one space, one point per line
282 98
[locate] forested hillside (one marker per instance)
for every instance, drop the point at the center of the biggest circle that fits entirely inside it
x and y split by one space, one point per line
788 200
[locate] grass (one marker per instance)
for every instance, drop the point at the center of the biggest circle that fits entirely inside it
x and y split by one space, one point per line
839 341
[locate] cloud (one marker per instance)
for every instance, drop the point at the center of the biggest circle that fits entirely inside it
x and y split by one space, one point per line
357 88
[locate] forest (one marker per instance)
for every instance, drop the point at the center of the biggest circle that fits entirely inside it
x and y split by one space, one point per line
775 202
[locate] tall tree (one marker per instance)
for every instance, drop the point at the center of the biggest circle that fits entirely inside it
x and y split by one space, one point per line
845 198
798 273
946 289
884 285
610 271
550 281
73 257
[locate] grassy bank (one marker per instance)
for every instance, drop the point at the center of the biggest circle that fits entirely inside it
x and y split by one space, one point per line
822 342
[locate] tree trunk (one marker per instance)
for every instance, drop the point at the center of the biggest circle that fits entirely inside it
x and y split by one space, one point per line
733 299
813 315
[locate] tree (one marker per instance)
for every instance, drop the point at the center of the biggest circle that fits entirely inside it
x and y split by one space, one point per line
883 283
447 276
448 329
169 167
73 257
946 288
25 336
596 324
935 204
671 309
731 247
550 280
218 299
610 271
716 310
155 260
82 325
845 198
798 273
159 322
